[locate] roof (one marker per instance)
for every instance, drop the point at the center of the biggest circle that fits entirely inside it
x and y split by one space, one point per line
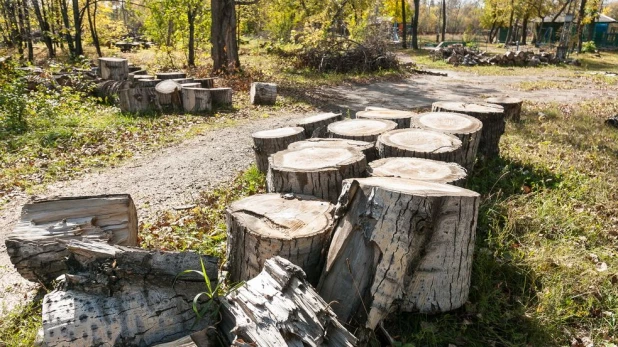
601 19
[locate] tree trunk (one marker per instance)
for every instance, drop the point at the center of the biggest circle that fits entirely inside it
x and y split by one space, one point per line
580 17
263 93
510 32
169 93
191 13
109 90
419 143
400 242
418 169
138 100
34 248
28 31
360 129
268 142
317 171
45 29
223 36
512 107
221 96
404 35
524 34
192 85
116 69
492 117
64 10
315 126
262 226
206 82
279 308
417 8
92 24
443 20
402 118
170 75
367 148
147 83
77 23
196 100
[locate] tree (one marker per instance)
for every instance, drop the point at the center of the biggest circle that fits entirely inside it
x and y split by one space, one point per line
403 22
417 8
443 19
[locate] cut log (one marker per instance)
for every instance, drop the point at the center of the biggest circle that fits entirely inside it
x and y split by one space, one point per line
137 75
295 227
208 337
206 82
137 100
467 129
318 123
317 171
263 93
108 90
196 100
279 308
124 296
34 248
360 129
402 118
418 169
400 242
367 148
116 69
170 75
512 106
221 96
147 83
492 117
169 93
269 142
183 80
190 85
419 143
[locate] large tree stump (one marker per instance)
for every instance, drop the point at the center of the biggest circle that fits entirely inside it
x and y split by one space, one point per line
221 96
109 89
492 117
402 118
316 125
468 129
296 227
147 83
360 129
208 82
317 171
196 100
419 143
418 169
279 308
169 93
400 242
190 85
263 93
137 75
367 148
269 142
512 106
138 100
116 296
183 80
34 248
170 75
116 69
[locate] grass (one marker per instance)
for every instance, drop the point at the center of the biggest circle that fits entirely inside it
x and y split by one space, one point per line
20 326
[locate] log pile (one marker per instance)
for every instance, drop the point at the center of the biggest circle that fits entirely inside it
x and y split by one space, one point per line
460 55
419 143
268 142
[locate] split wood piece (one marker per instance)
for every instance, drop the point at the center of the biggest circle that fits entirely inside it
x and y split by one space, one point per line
183 80
191 85
125 296
206 82
221 96
367 148
150 83
196 100
139 99
468 129
402 118
318 123
169 93
360 129
295 227
116 69
492 117
170 75
399 242
317 171
420 143
418 169
269 142
512 106
263 93
34 246
279 308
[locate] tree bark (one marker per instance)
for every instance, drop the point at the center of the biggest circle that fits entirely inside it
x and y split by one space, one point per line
580 17
367 148
169 93
360 129
223 36
170 75
45 28
510 32
221 96
404 35
196 100
402 118
315 126
418 169
138 100
268 142
77 23
64 10
206 82
263 93
417 8
419 143
443 20
92 24
116 69
191 14
28 31
512 107
524 34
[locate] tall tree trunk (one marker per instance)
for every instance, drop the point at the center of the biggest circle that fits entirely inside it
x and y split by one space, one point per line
417 8
404 35
443 19
191 19
223 36
580 17
491 32
510 32
77 23
28 32
44 25
92 23
524 30
64 11
21 30
170 32
539 35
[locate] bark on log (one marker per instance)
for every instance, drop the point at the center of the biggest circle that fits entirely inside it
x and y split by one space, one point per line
109 89
512 106
170 75
367 148
316 125
400 242
196 100
140 99
316 171
402 118
191 85
360 129
419 143
137 75
279 308
418 169
467 129
263 93
492 117
183 80
116 69
206 82
295 227
124 296
268 142
147 83
221 96
34 248
169 93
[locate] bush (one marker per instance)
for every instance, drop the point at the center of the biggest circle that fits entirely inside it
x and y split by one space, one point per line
12 101
589 47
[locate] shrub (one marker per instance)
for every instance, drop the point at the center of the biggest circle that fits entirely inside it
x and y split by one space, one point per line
589 47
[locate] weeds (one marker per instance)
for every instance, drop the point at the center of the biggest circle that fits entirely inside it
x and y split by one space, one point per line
20 327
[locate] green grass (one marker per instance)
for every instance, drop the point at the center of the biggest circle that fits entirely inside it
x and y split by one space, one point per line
20 327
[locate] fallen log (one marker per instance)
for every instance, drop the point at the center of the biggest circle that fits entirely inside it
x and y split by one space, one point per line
137 100
318 123
419 143
268 142
418 169
360 129
196 100
512 106
367 148
116 69
402 118
221 96
169 93
170 75
263 93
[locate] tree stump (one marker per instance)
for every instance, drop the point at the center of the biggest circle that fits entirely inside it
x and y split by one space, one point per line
296 227
116 69
183 80
418 169
263 93
140 99
269 142
399 242
34 248
317 171
512 106
492 117
366 130
402 118
109 89
147 83
367 148
170 75
206 82
137 75
419 143
318 122
279 308
196 100
467 129
190 85
169 93
221 96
